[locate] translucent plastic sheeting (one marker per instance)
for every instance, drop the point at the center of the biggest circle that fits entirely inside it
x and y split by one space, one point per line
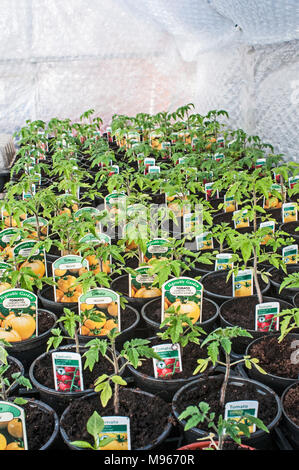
59 58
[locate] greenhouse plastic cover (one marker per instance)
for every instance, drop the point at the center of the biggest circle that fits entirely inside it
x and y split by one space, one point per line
60 58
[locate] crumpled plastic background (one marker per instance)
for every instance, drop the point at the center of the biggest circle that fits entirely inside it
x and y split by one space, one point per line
58 59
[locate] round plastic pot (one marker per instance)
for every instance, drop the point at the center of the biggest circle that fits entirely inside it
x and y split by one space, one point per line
153 327
292 429
278 384
286 293
295 300
218 298
207 445
165 389
154 445
285 228
137 303
259 439
14 361
54 438
240 344
44 296
27 350
124 336
55 399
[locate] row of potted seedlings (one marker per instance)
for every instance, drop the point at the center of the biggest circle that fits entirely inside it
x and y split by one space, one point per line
161 255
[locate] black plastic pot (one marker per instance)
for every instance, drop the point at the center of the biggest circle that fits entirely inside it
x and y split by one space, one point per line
4 178
259 439
154 327
291 428
276 383
55 399
13 361
46 299
286 293
240 344
295 300
27 350
124 336
219 298
154 445
289 228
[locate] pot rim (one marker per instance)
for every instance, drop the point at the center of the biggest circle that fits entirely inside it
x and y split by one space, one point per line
285 415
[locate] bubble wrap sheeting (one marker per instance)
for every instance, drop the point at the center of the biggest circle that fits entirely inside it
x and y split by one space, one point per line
61 58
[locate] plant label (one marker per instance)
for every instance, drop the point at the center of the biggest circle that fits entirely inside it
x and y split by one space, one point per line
191 222
230 205
65 271
223 261
18 307
290 254
118 429
153 170
240 219
182 295
157 248
260 162
13 435
237 410
293 181
289 212
171 361
274 199
9 237
29 254
265 314
100 311
204 241
141 283
67 371
209 191
115 203
33 223
97 240
269 225
243 283
219 157
29 194
3 268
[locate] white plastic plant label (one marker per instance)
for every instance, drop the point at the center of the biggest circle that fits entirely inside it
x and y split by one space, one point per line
240 219
289 212
115 202
230 205
67 371
3 268
34 223
209 192
117 428
290 254
223 261
271 225
147 163
29 194
191 222
171 361
238 409
141 283
28 254
18 307
273 201
293 181
260 162
153 170
219 157
243 283
204 241
182 295
157 248
100 312
65 271
9 236
265 317
13 435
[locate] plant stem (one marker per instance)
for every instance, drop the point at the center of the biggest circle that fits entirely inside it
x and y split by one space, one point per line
116 372
256 281
225 381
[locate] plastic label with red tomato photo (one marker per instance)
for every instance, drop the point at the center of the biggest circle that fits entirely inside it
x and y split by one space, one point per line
171 361
266 316
67 370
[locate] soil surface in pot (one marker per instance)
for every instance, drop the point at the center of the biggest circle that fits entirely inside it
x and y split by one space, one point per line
43 371
154 312
218 285
291 227
191 353
45 321
148 415
39 425
277 275
274 357
13 369
291 403
242 312
209 391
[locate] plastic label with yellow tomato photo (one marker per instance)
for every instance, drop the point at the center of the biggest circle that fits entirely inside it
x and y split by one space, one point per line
18 315
12 427
100 311
271 225
240 219
191 222
65 271
204 241
243 283
117 428
230 205
289 212
8 238
182 295
157 248
290 254
223 261
31 223
238 409
273 201
29 255
141 284
115 202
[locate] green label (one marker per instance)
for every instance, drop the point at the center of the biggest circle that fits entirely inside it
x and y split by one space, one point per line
240 219
21 307
238 409
116 201
230 204
191 222
12 427
182 295
100 309
4 267
43 224
87 212
118 429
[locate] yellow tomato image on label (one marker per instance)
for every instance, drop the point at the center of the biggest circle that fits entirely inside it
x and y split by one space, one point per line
243 289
